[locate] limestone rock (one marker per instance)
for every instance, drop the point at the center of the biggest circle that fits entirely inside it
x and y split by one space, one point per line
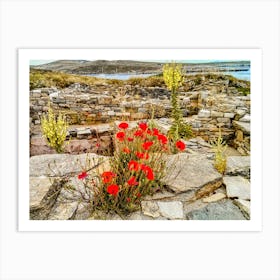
238 165
244 126
63 211
150 208
246 118
38 189
215 114
191 172
237 187
58 165
138 215
229 115
43 196
204 113
221 210
171 210
213 198
82 134
244 206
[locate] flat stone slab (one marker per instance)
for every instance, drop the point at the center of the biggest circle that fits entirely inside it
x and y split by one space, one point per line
58 165
221 210
244 206
38 189
246 118
238 165
63 211
83 133
213 198
237 187
171 210
191 172
244 126
138 215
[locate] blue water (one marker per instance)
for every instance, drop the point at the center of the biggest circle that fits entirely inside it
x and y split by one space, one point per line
120 76
242 75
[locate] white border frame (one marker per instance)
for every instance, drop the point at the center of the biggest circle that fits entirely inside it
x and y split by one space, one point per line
254 55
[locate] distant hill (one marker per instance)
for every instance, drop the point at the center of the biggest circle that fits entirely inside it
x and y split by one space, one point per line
100 66
83 67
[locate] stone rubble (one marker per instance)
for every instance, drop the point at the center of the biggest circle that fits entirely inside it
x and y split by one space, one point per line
194 190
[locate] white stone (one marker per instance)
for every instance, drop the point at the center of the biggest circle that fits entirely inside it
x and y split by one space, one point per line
111 113
204 113
244 126
150 208
238 165
229 115
237 187
214 197
246 118
171 210
244 206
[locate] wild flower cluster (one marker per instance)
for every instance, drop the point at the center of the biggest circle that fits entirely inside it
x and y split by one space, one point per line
174 78
136 169
54 128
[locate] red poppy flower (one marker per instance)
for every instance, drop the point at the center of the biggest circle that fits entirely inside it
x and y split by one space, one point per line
149 131
120 135
133 165
126 150
148 172
150 175
147 145
142 155
98 145
155 131
113 189
138 133
143 126
132 181
180 145
162 138
123 125
130 139
82 175
107 176
139 195
128 199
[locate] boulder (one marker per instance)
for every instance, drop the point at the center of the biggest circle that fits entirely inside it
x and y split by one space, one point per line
58 165
238 165
221 210
191 172
171 209
237 187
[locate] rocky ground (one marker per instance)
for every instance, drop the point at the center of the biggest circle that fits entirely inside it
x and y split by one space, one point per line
194 190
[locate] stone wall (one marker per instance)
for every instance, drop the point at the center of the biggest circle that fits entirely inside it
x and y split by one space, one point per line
207 106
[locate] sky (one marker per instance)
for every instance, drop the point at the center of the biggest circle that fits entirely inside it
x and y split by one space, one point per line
38 62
